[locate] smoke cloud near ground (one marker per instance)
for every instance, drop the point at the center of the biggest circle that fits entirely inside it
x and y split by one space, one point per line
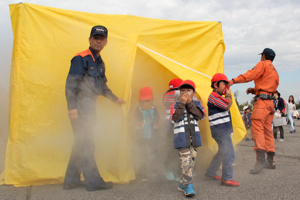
149 73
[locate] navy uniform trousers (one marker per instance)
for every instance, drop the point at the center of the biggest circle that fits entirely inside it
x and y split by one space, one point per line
82 158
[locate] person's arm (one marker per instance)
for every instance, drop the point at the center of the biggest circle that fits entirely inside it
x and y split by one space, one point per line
178 112
197 111
220 102
228 96
250 75
74 78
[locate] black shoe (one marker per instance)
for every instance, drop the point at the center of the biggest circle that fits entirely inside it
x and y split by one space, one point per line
103 186
271 160
261 162
291 131
72 186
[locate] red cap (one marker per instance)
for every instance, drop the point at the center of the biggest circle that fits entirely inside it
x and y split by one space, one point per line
146 93
188 82
220 77
174 83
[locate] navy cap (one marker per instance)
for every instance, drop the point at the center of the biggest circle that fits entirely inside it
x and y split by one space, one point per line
268 52
99 30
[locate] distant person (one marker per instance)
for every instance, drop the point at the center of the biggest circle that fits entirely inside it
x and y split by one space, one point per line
266 80
291 109
185 115
147 119
247 121
221 130
279 108
172 168
85 82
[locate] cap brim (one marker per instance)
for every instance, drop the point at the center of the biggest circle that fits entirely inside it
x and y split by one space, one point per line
188 85
144 98
98 34
228 81
174 88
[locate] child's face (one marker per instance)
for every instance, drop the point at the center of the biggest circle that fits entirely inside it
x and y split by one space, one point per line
146 104
190 91
247 111
221 87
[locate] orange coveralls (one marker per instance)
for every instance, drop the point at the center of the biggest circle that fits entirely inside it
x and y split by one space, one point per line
266 81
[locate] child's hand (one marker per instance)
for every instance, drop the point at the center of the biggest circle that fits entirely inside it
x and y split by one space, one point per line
228 92
184 98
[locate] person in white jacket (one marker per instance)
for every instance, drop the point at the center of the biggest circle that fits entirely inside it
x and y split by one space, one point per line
291 108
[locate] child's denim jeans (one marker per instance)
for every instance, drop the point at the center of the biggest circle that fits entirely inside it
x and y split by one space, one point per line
225 155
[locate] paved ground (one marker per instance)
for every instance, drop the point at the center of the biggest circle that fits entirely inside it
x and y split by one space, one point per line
282 183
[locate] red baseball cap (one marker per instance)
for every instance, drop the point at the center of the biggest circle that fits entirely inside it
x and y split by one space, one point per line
174 83
188 82
220 77
146 93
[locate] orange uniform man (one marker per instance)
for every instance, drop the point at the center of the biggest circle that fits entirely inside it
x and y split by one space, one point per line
266 81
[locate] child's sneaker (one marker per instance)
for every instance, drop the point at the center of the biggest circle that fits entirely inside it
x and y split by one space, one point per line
170 176
189 190
230 183
181 187
280 139
247 139
216 177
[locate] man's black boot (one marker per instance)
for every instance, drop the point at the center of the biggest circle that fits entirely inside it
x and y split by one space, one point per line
271 160
260 162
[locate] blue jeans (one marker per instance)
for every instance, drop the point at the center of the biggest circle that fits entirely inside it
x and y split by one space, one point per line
291 121
225 155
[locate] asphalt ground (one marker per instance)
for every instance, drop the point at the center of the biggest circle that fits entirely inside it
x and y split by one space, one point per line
281 183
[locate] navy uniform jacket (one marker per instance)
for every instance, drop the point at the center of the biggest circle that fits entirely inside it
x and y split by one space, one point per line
86 78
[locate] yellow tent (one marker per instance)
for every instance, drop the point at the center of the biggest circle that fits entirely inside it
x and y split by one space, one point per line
140 52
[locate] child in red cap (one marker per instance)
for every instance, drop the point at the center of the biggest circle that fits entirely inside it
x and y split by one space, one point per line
221 129
147 119
172 169
185 114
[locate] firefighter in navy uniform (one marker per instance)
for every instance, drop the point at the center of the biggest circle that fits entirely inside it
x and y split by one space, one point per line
85 82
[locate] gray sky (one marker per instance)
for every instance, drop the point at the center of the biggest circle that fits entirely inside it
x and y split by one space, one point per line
248 27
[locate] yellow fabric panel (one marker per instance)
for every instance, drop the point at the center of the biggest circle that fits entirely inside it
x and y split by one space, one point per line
140 52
